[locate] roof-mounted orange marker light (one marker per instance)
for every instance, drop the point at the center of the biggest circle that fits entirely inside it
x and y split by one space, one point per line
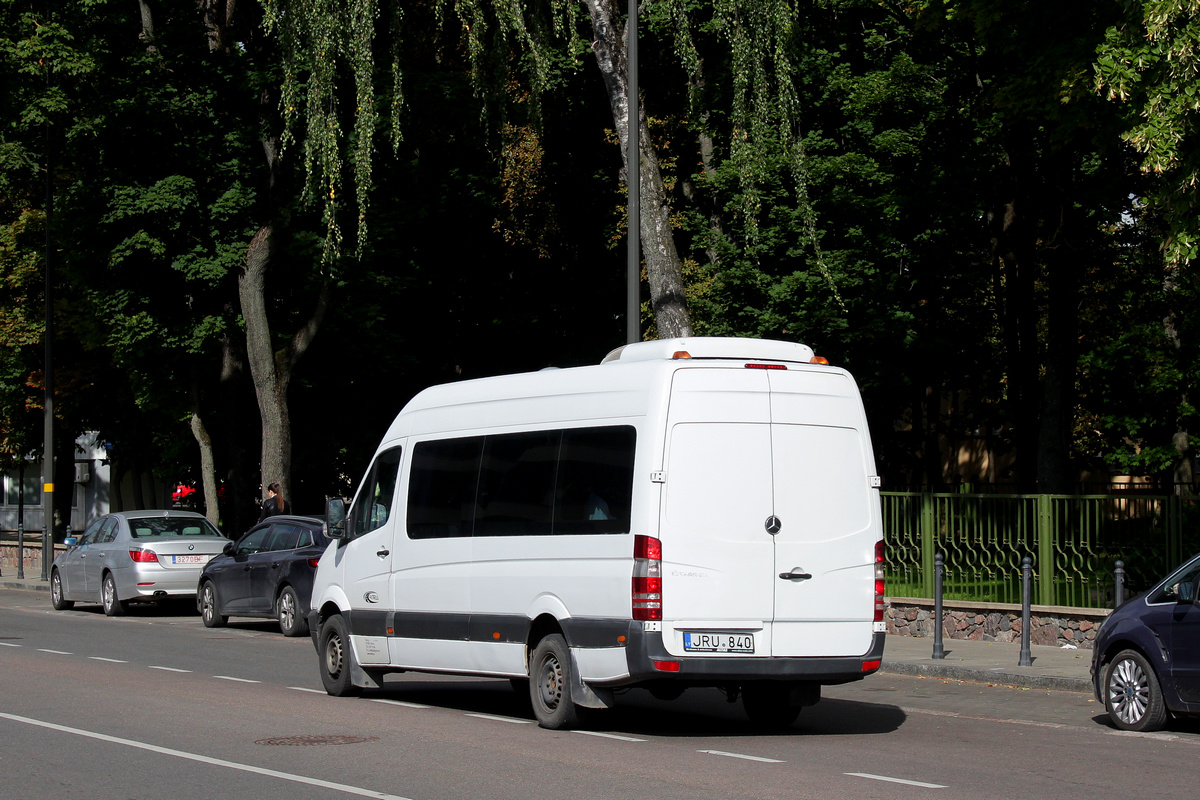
681 354
819 360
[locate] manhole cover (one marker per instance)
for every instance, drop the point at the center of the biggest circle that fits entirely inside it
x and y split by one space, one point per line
314 740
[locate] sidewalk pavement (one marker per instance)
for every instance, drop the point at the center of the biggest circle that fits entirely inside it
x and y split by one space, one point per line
980 662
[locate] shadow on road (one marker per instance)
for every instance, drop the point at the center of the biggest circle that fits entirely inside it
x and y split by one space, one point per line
698 713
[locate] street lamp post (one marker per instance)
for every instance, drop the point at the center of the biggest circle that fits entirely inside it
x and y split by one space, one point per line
48 410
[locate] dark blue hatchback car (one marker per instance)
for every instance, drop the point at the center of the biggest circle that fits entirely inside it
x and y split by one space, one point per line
266 573
1146 662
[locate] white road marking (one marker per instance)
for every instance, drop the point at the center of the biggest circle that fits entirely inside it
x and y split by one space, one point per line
169 669
306 689
217 762
109 660
742 756
56 652
404 703
9 644
894 780
239 680
502 719
611 736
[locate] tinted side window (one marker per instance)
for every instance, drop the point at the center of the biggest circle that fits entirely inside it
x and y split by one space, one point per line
92 531
516 484
373 506
107 533
441 491
1169 593
253 542
594 489
284 537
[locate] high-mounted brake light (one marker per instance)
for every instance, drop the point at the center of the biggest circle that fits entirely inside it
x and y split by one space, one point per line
144 556
647 578
879 581
818 360
766 366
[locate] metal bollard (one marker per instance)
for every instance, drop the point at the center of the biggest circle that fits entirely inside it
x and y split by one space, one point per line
1119 590
1026 659
939 569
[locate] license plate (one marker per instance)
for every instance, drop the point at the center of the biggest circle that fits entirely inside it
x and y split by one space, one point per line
696 642
188 559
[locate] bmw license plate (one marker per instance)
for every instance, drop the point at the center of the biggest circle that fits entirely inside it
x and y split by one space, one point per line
698 642
188 559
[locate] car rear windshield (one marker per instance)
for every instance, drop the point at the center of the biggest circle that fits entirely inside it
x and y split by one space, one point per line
163 527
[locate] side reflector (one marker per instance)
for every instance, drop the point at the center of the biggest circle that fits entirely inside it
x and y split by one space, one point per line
666 666
870 666
818 360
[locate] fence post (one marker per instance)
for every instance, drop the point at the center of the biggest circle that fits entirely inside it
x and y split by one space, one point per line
1026 659
928 540
1173 513
1045 551
1119 590
939 567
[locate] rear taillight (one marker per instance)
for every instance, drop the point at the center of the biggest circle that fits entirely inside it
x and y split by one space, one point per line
647 578
144 556
312 562
879 581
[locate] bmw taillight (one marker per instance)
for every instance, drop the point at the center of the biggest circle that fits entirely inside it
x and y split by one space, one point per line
879 581
647 578
144 556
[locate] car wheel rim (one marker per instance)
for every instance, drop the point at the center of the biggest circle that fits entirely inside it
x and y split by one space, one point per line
208 604
1129 691
550 682
110 592
56 589
333 656
287 610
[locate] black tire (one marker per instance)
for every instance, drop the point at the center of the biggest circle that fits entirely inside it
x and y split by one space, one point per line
56 593
1132 695
336 657
287 611
113 606
209 608
550 679
768 705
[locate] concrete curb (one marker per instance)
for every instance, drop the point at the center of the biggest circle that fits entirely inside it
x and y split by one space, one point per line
27 585
1051 682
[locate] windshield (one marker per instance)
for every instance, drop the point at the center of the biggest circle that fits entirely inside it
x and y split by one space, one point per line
162 527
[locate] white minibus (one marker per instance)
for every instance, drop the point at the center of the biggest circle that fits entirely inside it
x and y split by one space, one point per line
689 512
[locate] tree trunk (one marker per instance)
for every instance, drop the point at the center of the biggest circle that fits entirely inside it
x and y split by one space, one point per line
663 267
208 469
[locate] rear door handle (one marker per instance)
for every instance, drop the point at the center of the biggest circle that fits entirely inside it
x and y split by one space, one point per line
797 574
383 553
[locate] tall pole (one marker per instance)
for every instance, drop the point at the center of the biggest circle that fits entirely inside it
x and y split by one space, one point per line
48 413
633 172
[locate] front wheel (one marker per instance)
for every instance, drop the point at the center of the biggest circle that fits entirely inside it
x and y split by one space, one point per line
209 611
56 593
1132 695
335 655
291 619
550 680
113 606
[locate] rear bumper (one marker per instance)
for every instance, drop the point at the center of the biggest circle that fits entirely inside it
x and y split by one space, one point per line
644 649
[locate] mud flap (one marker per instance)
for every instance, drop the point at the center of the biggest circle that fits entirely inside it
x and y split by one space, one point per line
587 696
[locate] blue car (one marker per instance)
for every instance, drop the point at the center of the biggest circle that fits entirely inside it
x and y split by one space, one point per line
1146 662
267 573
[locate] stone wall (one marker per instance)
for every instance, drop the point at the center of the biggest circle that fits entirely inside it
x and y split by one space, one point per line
9 557
1056 626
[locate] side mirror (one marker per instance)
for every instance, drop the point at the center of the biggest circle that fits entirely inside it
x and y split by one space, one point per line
335 518
1187 592
71 541
228 548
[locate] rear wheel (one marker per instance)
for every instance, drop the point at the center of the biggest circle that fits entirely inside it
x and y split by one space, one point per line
113 606
208 606
1132 695
291 620
768 704
56 593
335 655
550 680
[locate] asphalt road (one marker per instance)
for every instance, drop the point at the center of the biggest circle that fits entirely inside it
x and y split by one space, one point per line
154 706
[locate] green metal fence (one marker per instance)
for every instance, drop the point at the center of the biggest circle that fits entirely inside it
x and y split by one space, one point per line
1074 541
